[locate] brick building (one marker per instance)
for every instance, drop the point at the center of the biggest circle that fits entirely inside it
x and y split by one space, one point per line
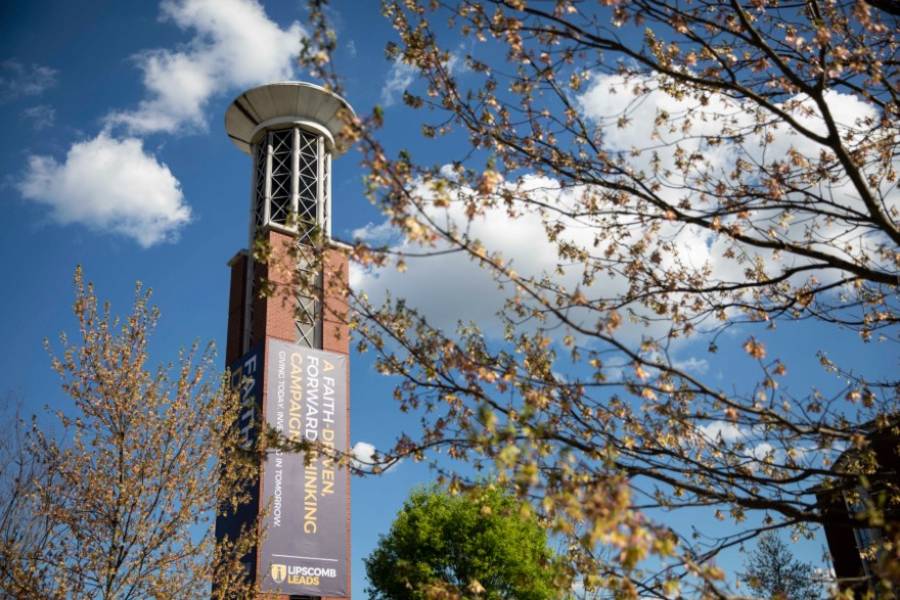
855 542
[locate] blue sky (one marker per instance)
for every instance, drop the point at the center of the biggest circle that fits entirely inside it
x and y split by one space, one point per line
88 84
66 67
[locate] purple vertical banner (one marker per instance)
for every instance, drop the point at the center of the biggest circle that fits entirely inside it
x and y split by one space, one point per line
304 545
246 379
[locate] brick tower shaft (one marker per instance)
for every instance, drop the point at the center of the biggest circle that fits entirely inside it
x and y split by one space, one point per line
292 340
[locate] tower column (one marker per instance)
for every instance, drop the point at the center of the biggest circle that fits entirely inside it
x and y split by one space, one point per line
293 338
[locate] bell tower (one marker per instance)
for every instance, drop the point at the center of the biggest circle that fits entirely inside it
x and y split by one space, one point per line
288 344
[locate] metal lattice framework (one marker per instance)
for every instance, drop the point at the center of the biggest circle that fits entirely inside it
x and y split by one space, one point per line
307 318
308 184
281 194
260 180
290 193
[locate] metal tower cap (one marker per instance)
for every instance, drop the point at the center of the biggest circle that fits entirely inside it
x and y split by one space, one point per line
273 104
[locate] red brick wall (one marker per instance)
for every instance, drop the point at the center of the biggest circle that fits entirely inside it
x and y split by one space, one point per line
280 305
335 333
273 316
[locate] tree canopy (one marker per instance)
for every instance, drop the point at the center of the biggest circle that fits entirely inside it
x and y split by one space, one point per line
773 573
689 179
118 500
483 544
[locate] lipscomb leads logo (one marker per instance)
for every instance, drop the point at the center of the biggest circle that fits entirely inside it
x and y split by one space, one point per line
279 573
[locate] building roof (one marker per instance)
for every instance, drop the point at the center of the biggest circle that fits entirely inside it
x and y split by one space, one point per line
284 102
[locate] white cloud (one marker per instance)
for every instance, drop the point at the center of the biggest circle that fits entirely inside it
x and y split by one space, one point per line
18 80
371 233
111 185
612 97
402 75
455 64
399 78
363 452
724 431
41 116
234 45
451 287
692 363
365 456
763 452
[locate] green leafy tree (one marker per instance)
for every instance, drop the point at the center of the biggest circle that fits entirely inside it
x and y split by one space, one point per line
482 544
773 573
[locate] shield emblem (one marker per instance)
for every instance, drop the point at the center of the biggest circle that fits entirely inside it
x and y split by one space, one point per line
279 572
